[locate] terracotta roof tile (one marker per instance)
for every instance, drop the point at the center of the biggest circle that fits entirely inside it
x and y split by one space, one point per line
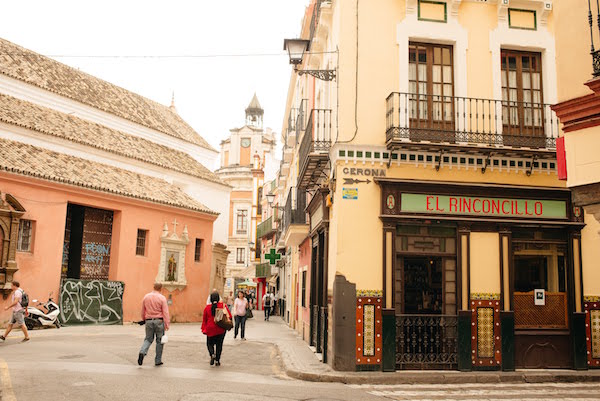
51 75
19 158
51 122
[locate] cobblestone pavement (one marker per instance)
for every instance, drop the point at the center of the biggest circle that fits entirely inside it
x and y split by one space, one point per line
487 392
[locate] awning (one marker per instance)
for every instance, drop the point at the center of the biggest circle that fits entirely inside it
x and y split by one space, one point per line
273 280
247 283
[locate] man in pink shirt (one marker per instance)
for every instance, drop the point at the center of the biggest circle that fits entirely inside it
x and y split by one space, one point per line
155 313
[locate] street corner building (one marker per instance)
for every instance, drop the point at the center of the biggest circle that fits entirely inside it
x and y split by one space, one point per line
428 222
103 193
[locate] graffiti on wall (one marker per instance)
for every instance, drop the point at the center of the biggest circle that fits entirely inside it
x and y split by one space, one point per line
91 302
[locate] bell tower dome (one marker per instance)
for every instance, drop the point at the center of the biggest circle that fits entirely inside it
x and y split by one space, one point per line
254 113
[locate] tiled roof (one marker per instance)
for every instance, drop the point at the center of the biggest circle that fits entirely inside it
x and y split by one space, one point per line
46 73
52 122
19 158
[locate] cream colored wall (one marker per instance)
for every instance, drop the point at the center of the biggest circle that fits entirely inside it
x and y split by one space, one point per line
485 262
478 19
583 156
590 256
356 237
573 60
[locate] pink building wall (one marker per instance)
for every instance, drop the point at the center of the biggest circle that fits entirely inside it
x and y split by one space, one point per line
304 260
40 271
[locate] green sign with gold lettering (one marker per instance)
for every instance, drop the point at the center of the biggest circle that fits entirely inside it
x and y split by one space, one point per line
479 206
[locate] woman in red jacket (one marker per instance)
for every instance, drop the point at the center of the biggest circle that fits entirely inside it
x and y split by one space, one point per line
215 334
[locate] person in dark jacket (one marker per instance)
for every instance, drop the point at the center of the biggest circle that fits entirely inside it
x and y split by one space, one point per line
214 334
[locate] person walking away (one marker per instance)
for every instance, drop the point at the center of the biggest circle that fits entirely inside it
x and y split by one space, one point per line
214 334
155 312
266 300
18 312
230 301
239 311
275 299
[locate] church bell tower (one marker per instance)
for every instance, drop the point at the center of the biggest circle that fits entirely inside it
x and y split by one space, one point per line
254 113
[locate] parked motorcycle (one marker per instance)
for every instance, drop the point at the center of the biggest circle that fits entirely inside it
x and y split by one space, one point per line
37 318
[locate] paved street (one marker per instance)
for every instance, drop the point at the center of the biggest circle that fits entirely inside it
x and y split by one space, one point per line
98 363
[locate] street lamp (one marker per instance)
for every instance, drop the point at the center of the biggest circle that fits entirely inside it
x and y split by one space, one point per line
296 49
270 200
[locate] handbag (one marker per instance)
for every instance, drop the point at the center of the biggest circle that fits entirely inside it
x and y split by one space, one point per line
249 314
222 319
164 339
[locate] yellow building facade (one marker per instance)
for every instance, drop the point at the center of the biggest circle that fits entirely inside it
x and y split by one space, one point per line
439 234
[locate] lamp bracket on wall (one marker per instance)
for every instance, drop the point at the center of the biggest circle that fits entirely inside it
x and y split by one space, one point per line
323 75
439 164
533 159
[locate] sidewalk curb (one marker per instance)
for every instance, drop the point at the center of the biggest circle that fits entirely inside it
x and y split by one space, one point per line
424 377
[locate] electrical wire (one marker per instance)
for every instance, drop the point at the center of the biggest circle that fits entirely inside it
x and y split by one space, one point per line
158 56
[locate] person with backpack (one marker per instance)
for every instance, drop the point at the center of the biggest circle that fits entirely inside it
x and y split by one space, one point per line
216 320
19 304
267 300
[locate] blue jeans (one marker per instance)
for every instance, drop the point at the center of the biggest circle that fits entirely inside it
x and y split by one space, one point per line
267 312
154 328
240 323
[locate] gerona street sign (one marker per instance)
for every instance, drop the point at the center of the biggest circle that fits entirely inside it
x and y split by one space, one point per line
494 207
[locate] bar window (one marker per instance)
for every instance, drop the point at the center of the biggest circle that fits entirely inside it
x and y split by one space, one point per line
140 246
198 250
240 255
25 235
303 294
242 221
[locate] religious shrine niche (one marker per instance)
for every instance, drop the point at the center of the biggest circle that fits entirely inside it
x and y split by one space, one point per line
11 212
171 270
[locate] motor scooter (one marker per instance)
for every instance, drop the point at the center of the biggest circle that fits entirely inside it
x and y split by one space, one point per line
36 318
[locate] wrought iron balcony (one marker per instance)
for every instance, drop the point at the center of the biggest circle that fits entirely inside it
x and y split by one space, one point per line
263 270
265 228
467 121
294 210
301 119
594 33
314 148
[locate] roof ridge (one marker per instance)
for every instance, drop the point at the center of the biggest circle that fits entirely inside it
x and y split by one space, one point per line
185 201
20 117
161 125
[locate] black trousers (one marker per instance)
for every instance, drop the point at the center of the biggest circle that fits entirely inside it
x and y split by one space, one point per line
215 342
240 322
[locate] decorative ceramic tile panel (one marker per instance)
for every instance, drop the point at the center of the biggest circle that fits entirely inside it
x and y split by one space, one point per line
485 296
369 330
369 293
485 333
592 330
369 341
595 331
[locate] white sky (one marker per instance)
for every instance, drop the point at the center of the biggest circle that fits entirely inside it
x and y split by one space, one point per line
210 93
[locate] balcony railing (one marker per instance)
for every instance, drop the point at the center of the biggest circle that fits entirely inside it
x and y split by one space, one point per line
263 270
301 119
316 140
265 228
470 121
294 210
314 21
594 33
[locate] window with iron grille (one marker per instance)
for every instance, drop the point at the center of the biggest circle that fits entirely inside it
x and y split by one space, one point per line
259 202
198 250
240 255
25 234
242 221
140 246
304 289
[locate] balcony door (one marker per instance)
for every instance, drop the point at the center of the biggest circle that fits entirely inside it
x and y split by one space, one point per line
431 87
522 99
